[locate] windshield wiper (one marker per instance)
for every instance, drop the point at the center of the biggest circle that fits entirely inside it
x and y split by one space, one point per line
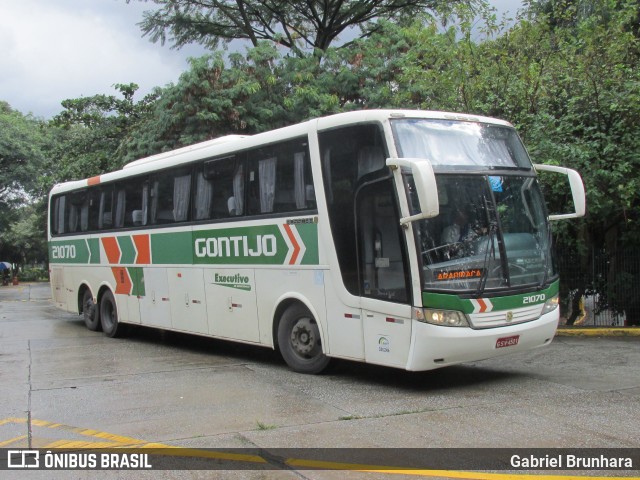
495 231
493 226
545 272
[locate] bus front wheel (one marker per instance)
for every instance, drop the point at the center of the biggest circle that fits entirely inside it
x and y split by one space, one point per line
90 312
109 316
299 341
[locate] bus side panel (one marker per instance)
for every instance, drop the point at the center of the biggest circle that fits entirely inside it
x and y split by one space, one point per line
136 294
344 325
275 286
188 301
58 293
132 305
155 306
387 332
71 274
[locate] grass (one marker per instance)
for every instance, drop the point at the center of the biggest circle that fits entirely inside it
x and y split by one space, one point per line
265 426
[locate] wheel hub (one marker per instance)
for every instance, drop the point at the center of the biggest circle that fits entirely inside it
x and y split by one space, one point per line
302 337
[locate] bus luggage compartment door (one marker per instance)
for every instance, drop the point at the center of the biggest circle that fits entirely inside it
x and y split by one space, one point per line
231 303
188 301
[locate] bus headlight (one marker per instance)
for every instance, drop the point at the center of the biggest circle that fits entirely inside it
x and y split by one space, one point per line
551 304
445 318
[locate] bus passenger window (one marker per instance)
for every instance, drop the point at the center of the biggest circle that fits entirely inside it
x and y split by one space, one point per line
280 179
170 195
77 212
294 186
57 215
132 204
222 194
203 197
105 210
181 195
84 212
121 202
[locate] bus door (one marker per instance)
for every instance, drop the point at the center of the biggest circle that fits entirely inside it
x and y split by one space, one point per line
369 245
383 274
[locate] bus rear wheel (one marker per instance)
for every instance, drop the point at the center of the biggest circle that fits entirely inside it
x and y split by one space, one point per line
299 341
90 312
109 316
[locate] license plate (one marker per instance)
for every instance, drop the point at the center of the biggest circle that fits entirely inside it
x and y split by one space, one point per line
507 341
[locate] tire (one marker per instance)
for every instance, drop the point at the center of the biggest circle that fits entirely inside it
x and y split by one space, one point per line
109 316
90 312
299 341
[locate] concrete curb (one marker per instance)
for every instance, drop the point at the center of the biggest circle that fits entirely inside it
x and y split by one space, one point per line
598 332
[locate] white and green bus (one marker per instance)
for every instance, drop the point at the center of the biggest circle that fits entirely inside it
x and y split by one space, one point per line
411 239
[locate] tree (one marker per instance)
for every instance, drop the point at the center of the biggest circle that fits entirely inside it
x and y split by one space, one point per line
311 25
246 94
24 141
21 156
587 116
90 131
210 100
25 240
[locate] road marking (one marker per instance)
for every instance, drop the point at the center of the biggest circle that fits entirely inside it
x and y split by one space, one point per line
322 465
122 441
12 440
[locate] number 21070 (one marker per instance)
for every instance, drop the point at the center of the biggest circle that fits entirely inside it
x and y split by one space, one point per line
61 252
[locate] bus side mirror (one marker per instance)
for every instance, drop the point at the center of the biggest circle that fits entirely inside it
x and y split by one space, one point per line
425 183
577 190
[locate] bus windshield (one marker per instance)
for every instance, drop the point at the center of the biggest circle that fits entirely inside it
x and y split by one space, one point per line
492 233
458 144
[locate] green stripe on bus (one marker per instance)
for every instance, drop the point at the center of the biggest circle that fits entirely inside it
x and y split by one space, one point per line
69 251
137 280
94 250
295 244
309 235
261 245
172 248
128 250
508 302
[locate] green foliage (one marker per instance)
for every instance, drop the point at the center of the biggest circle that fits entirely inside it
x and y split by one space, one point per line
23 159
23 239
297 26
585 115
22 139
91 130
212 99
33 275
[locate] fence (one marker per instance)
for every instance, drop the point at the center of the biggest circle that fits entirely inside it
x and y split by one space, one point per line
608 287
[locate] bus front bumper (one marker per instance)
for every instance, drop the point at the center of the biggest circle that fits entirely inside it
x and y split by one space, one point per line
434 346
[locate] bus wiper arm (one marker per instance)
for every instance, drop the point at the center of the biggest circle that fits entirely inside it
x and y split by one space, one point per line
493 226
547 254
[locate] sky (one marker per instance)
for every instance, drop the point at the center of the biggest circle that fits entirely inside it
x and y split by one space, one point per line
52 50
